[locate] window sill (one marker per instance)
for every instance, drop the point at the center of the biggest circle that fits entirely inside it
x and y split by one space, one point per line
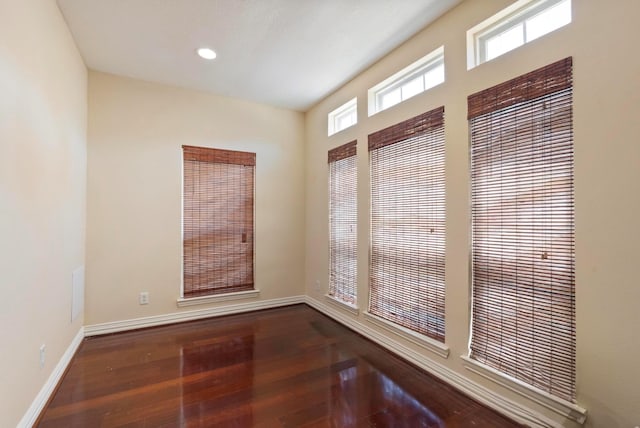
558 405
343 305
203 300
416 338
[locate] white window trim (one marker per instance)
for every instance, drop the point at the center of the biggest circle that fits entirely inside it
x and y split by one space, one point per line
403 76
343 305
517 12
214 298
558 405
416 338
202 300
332 117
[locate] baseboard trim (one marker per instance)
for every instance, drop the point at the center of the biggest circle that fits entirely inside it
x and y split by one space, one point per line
31 416
175 317
478 392
425 342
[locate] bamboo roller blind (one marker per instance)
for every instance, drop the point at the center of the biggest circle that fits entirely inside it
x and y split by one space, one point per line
523 248
343 222
218 233
406 274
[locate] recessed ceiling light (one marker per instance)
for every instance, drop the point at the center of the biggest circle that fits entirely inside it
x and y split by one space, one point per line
206 53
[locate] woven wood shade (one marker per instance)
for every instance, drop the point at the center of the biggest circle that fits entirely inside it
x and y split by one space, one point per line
406 275
342 152
218 232
543 81
523 251
343 222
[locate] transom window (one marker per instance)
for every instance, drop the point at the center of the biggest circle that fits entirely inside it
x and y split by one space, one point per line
343 117
522 22
420 76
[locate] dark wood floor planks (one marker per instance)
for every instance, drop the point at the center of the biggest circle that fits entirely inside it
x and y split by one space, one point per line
286 367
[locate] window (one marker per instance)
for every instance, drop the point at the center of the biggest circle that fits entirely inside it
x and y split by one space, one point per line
343 223
418 77
343 117
217 221
524 21
406 274
523 251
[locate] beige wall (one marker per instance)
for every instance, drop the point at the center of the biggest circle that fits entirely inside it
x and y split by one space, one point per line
134 184
602 40
136 130
42 195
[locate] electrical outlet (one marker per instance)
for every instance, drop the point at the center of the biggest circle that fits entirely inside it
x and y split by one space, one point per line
42 355
317 285
143 299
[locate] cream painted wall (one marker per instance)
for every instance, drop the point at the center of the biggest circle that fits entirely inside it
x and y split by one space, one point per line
43 115
602 40
133 203
136 130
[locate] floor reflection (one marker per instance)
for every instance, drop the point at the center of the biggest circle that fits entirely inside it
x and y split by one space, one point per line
229 361
286 368
363 392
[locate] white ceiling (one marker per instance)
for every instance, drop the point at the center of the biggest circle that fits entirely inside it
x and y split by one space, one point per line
286 53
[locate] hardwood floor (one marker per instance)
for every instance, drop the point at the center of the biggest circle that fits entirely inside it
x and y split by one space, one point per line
286 367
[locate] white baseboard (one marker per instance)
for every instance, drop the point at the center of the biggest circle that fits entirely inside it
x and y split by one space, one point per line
47 389
478 392
152 321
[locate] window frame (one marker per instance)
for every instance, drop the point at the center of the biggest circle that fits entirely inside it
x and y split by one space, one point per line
421 67
345 152
516 102
350 108
426 129
503 21
228 157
